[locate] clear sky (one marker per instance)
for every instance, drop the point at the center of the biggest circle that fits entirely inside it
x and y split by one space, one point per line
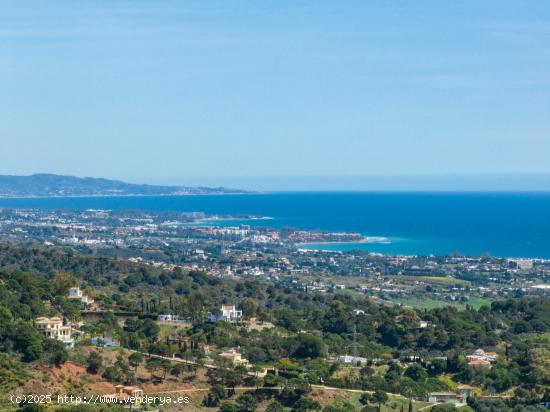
230 92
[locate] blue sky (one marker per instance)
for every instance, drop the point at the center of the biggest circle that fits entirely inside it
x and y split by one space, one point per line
270 93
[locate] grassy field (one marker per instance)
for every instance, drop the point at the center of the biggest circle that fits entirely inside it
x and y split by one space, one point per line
433 303
444 280
479 302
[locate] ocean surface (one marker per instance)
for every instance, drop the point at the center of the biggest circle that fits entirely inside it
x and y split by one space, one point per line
502 224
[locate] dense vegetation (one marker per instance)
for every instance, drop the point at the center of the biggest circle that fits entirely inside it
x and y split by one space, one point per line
403 357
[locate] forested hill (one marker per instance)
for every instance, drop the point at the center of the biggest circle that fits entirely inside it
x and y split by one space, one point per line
307 331
56 185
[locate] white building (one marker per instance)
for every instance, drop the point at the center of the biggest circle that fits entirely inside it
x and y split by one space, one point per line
228 313
352 360
168 317
76 293
53 328
446 397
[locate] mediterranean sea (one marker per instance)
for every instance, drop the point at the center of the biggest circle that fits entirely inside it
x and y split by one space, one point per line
501 224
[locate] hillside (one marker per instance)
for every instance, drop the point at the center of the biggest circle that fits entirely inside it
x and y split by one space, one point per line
300 335
57 185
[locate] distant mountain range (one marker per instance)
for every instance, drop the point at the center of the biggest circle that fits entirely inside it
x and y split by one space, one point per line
57 186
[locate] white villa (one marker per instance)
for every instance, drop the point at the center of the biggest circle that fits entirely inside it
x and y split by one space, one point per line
76 293
53 328
228 313
352 360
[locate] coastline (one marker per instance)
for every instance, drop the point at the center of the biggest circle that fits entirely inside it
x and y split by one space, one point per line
366 240
415 225
232 218
4 197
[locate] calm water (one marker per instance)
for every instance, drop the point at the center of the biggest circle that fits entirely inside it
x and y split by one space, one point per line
416 223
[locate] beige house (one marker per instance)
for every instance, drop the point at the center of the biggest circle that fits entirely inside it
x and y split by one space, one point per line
235 357
125 395
53 328
127 392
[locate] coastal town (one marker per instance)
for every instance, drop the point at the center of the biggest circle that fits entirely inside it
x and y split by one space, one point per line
219 248
235 313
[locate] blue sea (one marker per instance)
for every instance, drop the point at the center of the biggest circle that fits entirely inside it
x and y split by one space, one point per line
502 224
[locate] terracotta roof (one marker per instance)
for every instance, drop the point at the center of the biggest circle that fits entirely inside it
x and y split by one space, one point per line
479 362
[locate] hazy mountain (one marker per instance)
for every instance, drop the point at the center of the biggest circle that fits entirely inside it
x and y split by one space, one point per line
56 185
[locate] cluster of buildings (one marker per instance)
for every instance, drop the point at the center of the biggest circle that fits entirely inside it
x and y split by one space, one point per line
481 359
306 236
250 250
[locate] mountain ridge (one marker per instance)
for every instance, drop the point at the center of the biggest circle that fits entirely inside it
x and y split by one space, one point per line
54 185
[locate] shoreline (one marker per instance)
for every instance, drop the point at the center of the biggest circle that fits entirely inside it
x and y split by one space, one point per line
232 218
367 240
520 242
